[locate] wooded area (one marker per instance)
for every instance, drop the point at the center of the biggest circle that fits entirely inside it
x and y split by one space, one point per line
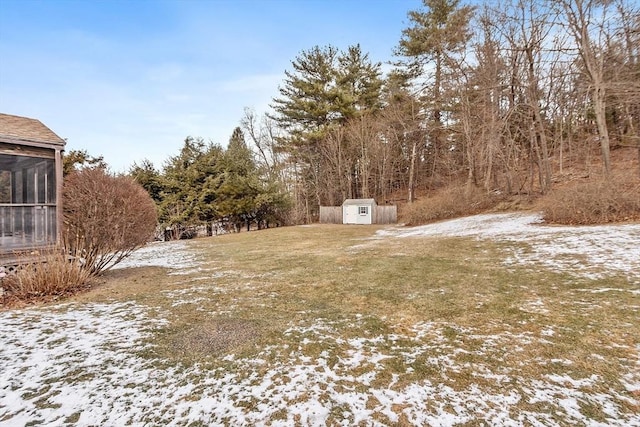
504 96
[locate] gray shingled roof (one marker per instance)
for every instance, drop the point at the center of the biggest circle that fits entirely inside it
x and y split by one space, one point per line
18 129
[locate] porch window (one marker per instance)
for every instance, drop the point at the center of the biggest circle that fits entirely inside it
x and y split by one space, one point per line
27 201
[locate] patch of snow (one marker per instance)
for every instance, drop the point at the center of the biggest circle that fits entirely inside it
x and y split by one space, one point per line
535 306
175 255
76 360
547 332
586 251
85 362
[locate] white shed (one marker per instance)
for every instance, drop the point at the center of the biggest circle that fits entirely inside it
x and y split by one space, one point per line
358 211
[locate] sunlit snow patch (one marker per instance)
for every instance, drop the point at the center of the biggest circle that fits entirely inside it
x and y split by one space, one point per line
174 255
586 251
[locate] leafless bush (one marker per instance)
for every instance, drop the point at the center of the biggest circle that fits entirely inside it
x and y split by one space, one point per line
40 277
106 217
451 202
594 202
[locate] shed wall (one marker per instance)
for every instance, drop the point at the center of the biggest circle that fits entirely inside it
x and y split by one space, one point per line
352 214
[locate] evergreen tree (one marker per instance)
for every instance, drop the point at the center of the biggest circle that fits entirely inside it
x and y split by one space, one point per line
430 46
149 178
238 158
189 193
326 88
208 168
205 184
81 159
238 183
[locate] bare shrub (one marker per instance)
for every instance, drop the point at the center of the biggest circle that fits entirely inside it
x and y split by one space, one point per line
593 202
106 217
52 274
450 202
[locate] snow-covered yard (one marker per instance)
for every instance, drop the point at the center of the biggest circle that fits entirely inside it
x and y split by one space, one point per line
85 364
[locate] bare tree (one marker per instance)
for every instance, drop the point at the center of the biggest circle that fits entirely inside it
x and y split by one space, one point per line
585 20
431 47
622 67
263 134
338 165
404 130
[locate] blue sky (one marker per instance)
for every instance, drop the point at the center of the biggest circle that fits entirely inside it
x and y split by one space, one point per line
130 80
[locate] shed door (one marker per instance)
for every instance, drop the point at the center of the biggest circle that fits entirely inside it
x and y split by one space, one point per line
364 214
350 214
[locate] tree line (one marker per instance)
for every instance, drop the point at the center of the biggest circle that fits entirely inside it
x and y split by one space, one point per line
503 96
205 184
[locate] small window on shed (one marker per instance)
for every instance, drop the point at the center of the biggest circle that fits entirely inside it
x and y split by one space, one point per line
364 210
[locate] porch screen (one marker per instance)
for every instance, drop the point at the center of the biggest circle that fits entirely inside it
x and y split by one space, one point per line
27 201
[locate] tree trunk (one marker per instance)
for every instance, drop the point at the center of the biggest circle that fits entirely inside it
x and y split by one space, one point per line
601 121
436 128
541 139
412 166
579 16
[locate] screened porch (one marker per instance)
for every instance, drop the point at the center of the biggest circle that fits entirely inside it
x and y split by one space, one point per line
28 214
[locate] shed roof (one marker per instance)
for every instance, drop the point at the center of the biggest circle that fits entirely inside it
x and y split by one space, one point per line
17 129
352 202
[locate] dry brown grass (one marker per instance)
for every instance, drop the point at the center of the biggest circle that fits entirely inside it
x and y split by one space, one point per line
50 276
216 337
594 201
450 202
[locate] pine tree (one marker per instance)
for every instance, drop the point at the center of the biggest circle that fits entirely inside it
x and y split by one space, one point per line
430 47
81 159
149 178
189 194
238 184
326 88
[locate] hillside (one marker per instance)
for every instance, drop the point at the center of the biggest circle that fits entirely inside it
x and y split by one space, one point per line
580 195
